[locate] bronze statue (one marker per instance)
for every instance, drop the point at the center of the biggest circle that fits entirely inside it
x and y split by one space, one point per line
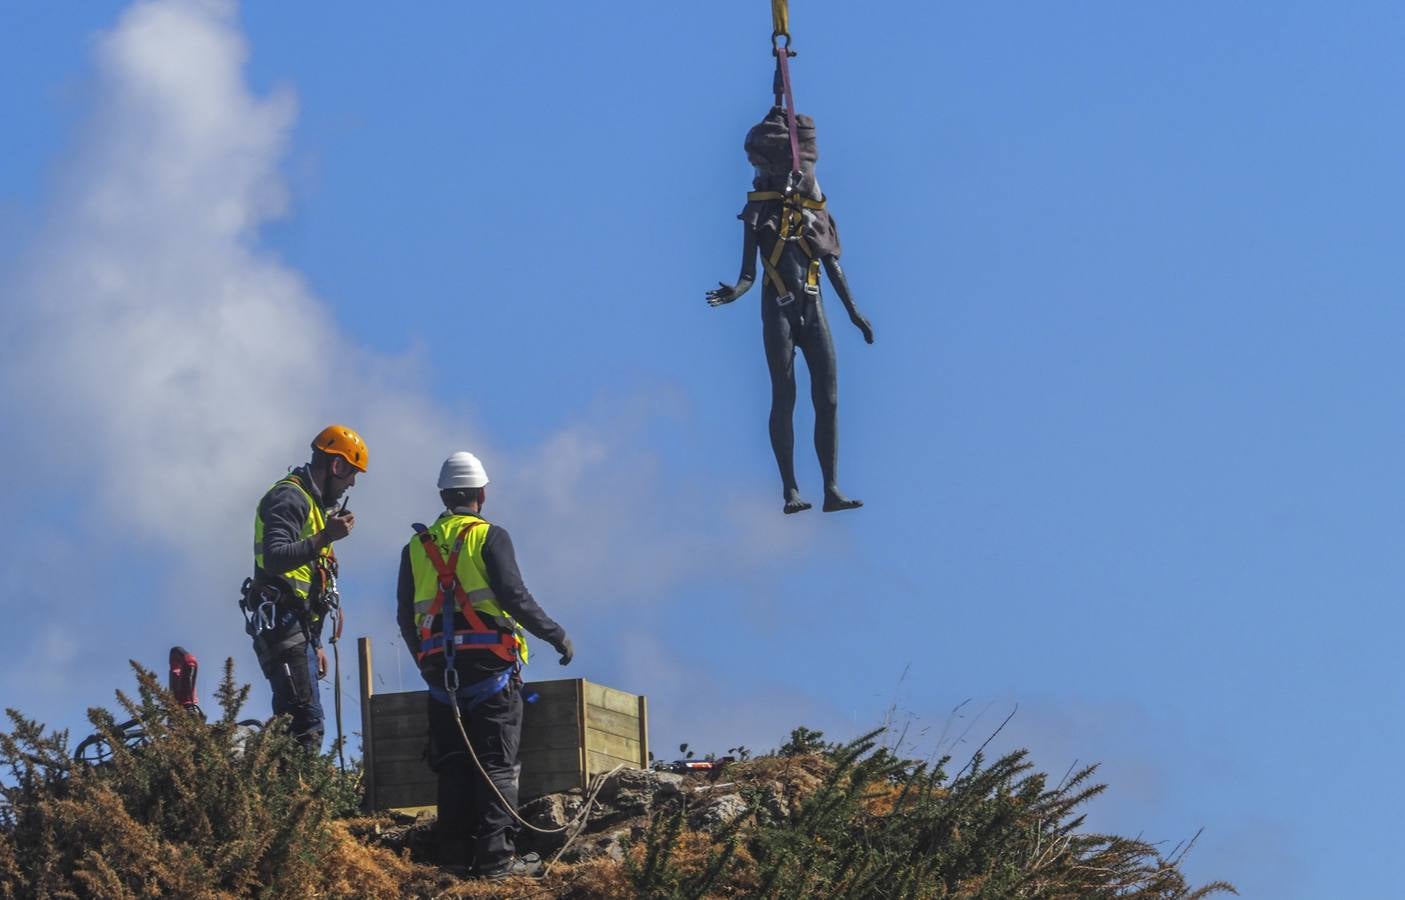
786 219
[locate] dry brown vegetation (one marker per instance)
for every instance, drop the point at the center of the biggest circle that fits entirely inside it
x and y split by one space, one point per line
202 811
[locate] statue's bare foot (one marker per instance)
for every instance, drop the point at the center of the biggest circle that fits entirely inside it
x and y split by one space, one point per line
793 503
835 501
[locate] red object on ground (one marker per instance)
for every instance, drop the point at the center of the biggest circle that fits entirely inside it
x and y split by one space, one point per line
184 668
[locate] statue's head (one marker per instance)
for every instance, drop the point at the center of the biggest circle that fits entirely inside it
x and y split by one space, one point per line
768 150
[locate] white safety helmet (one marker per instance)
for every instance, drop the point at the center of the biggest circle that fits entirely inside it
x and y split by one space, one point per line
462 470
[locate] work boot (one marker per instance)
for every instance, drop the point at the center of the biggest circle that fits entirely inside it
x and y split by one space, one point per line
528 865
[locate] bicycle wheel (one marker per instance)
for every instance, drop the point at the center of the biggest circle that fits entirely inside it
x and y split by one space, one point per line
97 749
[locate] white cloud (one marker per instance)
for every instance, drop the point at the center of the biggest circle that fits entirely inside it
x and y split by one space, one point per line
167 369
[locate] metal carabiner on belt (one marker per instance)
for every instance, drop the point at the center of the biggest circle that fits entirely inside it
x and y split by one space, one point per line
267 617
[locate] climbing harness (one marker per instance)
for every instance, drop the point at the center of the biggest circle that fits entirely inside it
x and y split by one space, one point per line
792 227
477 693
259 604
452 595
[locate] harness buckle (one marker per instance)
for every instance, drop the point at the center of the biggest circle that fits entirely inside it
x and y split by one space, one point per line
787 299
812 288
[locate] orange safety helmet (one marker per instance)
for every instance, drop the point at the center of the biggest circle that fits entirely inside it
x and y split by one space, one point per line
339 440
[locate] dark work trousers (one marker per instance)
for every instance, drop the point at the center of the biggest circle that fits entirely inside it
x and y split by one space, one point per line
292 673
468 808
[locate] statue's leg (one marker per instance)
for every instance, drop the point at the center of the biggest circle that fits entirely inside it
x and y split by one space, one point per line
818 346
780 359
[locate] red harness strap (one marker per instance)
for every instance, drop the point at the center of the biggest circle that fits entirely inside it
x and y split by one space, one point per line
505 647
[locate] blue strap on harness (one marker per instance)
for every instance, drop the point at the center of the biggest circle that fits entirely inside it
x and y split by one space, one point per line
460 639
477 693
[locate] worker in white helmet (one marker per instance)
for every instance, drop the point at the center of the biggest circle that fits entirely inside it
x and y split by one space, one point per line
463 569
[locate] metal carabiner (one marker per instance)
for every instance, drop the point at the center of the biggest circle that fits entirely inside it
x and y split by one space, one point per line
267 617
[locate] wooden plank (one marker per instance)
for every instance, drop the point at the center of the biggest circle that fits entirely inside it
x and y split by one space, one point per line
549 738
548 693
368 732
402 796
532 786
611 722
616 746
644 732
581 764
399 704
556 689
564 759
600 763
401 734
400 749
416 808
402 726
404 772
550 712
609 698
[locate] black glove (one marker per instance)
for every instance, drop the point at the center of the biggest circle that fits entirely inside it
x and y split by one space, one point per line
566 650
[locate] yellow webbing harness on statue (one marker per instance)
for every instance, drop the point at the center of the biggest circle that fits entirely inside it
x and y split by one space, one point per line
792 228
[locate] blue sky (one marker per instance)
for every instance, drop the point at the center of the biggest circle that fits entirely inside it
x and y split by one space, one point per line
1128 436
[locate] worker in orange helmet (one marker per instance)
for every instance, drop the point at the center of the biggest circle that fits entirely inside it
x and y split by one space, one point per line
294 583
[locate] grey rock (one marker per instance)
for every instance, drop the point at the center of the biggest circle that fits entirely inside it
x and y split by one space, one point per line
547 812
634 791
615 847
775 803
718 813
595 846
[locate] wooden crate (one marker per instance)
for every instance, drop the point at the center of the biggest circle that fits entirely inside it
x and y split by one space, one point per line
573 731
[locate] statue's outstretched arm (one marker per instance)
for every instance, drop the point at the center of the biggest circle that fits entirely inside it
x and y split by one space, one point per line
726 293
841 287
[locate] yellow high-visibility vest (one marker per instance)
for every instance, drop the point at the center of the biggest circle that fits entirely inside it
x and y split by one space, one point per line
472 574
299 579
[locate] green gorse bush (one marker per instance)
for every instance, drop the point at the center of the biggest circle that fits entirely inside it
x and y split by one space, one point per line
883 827
200 809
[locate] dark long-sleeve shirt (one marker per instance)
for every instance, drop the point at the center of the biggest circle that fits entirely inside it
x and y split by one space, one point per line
284 510
504 578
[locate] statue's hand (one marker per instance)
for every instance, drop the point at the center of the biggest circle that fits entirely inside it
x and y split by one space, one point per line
862 325
726 293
